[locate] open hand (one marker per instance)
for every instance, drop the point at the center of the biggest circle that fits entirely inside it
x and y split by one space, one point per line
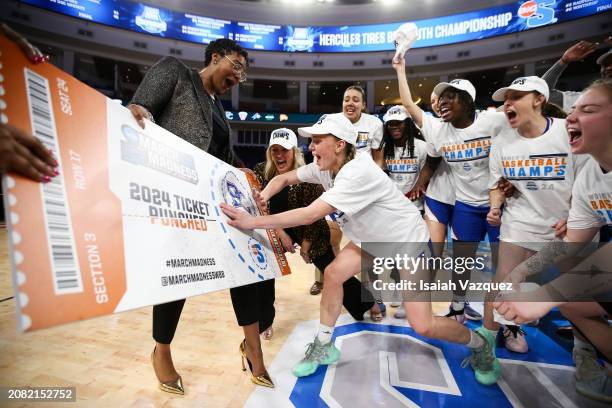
238 217
140 114
578 51
24 154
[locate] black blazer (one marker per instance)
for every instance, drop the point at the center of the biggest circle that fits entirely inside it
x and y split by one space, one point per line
175 96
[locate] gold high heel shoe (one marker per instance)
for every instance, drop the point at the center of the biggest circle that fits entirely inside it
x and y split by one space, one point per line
173 387
264 379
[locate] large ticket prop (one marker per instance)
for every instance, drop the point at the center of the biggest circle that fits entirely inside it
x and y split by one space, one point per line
132 220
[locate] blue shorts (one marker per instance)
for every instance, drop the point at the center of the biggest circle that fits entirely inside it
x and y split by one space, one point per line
438 211
470 223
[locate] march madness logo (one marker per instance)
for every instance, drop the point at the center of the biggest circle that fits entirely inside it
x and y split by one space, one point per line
257 253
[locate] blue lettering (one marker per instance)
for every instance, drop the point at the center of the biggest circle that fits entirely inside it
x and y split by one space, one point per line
544 15
469 153
547 170
605 215
511 172
534 172
522 172
562 169
479 151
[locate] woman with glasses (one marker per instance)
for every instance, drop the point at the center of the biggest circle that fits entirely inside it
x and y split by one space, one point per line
186 102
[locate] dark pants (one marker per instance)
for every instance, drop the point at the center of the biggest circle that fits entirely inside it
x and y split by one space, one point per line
255 303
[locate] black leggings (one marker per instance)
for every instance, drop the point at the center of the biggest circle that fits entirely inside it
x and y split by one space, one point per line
255 303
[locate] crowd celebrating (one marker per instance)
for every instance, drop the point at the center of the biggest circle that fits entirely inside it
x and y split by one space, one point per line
534 177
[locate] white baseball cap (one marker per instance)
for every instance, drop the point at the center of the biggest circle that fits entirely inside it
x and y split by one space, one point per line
283 137
525 84
397 112
335 124
461 84
605 56
404 37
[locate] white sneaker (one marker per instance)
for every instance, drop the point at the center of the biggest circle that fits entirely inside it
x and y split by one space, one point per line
587 366
396 298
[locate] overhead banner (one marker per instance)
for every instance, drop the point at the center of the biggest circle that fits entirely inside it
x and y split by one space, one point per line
133 218
476 25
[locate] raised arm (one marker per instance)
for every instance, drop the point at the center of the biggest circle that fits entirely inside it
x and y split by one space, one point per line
574 53
413 109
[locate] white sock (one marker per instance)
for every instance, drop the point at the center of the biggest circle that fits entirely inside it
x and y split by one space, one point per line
325 333
475 341
580 344
457 306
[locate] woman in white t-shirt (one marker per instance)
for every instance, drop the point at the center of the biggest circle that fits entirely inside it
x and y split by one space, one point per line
590 133
369 137
404 151
370 209
369 127
440 194
463 138
534 155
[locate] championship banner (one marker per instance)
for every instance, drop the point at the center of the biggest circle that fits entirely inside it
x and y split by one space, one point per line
133 218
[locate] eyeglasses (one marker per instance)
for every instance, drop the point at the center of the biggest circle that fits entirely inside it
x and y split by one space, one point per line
238 69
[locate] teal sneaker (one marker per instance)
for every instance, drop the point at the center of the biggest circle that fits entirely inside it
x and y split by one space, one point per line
316 354
598 388
486 366
591 378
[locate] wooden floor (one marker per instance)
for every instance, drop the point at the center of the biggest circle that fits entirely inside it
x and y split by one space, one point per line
107 358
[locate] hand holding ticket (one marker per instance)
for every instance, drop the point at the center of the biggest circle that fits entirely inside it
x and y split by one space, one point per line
132 219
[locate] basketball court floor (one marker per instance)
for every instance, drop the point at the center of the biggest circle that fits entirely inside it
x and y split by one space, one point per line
382 364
